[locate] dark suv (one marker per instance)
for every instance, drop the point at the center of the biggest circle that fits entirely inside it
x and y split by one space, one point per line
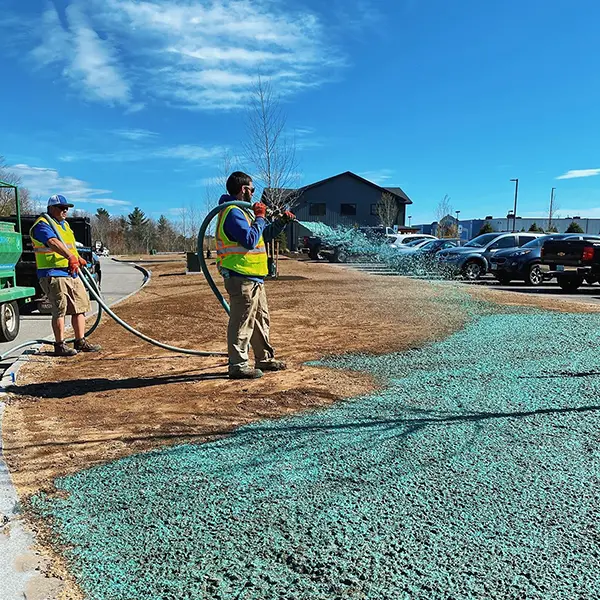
524 263
472 260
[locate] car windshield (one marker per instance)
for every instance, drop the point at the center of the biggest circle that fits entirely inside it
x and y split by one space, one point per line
482 240
413 242
429 245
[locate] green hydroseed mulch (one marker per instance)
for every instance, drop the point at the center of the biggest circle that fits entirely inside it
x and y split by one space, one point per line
473 474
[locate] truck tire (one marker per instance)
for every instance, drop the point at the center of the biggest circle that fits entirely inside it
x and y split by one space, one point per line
9 321
569 283
472 270
340 256
534 275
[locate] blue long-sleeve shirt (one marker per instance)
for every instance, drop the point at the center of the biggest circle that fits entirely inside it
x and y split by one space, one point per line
237 228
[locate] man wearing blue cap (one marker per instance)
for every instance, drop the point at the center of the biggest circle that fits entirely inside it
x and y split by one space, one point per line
58 264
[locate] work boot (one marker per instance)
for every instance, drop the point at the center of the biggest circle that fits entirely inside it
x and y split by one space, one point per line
61 349
244 373
271 365
83 345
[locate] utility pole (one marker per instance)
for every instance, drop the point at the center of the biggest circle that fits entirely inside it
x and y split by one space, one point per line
551 207
515 210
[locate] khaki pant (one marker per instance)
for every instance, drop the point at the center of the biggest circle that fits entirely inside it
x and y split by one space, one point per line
248 322
67 295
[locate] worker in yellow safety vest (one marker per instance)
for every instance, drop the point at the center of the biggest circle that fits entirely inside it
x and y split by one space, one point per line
242 261
58 264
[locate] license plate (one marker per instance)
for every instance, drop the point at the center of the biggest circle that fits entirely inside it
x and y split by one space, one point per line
493 267
560 267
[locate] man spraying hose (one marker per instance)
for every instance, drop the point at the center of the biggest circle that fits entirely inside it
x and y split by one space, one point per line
58 264
242 260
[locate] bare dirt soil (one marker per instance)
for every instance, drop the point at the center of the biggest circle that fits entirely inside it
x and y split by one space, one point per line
69 414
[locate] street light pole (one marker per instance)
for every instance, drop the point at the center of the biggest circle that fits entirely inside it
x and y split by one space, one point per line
515 211
551 208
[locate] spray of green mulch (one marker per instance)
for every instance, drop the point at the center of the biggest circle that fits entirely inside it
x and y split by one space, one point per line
473 473
359 246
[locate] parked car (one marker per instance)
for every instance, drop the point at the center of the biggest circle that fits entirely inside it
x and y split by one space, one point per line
525 262
472 260
401 239
421 257
572 261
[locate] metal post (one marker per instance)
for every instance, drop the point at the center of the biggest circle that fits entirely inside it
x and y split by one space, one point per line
515 211
551 206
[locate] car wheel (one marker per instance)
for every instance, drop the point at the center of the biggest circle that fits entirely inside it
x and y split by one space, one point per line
9 321
535 275
340 256
591 279
472 270
569 283
313 254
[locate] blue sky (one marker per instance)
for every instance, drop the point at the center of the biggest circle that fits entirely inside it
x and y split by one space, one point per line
122 103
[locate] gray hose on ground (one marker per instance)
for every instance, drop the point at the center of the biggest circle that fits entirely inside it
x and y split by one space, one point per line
137 333
209 217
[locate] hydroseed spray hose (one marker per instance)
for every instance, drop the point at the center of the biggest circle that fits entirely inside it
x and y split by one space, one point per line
90 284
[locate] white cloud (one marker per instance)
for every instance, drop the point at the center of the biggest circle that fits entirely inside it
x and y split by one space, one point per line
187 152
135 135
577 173
379 176
89 62
205 54
44 182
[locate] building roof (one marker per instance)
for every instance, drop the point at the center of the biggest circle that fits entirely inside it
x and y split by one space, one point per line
397 192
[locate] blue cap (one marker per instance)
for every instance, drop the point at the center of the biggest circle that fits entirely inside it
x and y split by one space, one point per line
58 200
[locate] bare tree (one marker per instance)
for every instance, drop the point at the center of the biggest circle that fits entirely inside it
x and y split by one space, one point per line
446 228
553 214
269 149
387 210
7 195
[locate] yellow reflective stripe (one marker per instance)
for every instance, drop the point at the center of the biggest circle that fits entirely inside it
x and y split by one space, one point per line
238 250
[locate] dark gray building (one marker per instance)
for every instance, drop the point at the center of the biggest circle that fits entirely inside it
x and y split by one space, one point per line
342 200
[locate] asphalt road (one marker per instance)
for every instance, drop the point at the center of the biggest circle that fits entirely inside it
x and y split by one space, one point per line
586 293
118 280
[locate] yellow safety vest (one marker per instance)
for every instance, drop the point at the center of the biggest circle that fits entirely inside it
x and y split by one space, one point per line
230 255
45 258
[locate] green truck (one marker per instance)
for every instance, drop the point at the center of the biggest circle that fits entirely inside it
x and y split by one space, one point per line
11 294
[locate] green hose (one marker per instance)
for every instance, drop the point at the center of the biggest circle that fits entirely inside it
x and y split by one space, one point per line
209 217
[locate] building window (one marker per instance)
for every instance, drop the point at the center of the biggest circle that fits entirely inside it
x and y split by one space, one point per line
317 209
348 210
374 212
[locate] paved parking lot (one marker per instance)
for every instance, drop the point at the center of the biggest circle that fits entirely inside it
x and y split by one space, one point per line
586 293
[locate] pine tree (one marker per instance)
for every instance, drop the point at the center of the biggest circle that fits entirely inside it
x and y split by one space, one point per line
487 228
574 227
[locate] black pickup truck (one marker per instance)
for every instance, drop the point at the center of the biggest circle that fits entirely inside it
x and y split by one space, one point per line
572 261
26 271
